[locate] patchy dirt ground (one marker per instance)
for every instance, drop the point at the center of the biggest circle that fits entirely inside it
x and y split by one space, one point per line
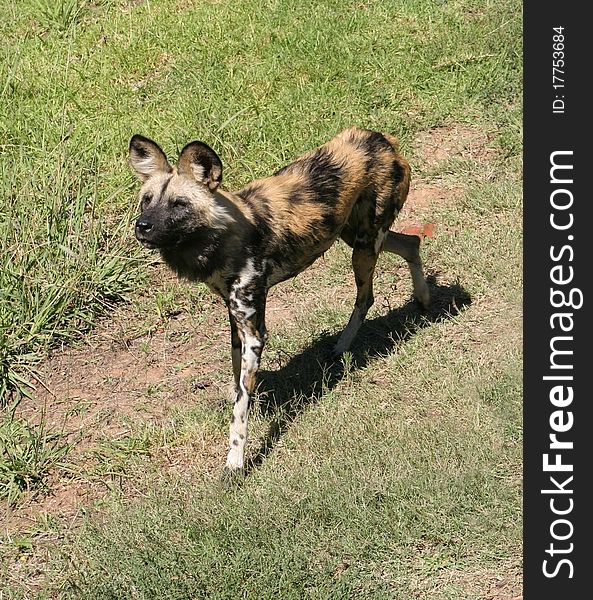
456 141
143 363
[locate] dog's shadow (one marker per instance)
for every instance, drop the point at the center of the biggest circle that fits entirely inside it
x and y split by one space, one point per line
285 393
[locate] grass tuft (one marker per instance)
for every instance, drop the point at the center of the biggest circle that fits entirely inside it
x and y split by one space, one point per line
28 454
59 15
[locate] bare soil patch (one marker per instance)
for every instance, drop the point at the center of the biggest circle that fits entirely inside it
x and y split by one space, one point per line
134 369
453 141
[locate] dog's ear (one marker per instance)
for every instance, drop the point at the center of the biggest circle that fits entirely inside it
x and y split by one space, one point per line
146 158
199 161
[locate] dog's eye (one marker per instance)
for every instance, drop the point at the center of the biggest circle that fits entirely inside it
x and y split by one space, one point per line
180 201
146 199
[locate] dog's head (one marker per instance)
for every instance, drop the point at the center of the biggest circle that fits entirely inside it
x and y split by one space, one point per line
178 204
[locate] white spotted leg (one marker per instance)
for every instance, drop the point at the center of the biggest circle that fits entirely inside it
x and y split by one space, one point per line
248 337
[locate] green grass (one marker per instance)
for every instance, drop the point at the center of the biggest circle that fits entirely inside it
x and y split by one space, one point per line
65 257
28 454
396 489
397 476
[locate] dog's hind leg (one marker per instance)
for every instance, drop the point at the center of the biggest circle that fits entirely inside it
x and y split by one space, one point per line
408 247
364 259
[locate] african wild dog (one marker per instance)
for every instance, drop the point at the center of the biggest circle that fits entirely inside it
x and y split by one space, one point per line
242 243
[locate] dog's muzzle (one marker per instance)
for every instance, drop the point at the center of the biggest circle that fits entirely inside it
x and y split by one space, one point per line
143 228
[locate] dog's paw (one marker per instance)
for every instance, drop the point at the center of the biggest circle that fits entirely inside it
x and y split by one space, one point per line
424 304
232 478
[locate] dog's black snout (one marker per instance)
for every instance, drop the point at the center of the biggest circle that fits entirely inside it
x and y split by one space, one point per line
143 226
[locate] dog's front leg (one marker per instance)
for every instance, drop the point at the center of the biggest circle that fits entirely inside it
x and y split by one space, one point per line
248 315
